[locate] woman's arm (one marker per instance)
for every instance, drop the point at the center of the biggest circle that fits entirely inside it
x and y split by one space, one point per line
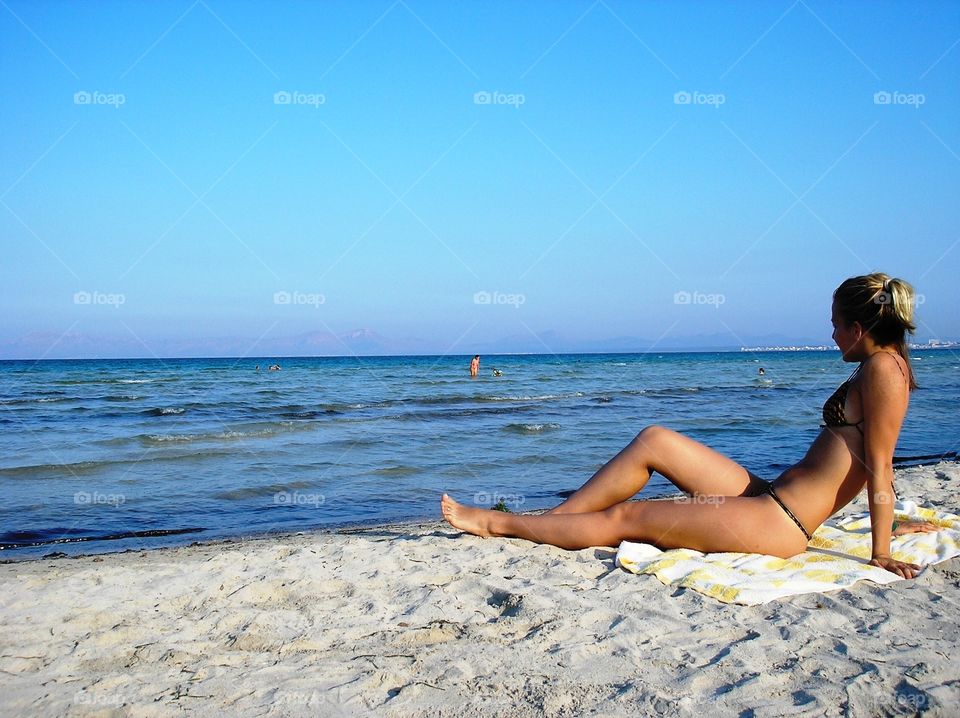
884 398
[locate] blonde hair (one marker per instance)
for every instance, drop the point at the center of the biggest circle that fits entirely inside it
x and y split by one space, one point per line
884 307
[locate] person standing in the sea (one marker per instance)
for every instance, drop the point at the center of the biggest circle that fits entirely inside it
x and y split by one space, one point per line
475 365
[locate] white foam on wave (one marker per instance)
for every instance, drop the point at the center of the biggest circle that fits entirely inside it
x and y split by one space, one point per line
531 428
228 435
540 397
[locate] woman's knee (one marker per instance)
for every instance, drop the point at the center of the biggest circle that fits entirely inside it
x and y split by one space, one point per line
652 437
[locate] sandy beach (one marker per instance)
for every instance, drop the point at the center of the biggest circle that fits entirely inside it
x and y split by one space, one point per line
421 620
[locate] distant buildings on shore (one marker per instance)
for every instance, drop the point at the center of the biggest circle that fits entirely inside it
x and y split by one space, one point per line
932 344
936 344
805 348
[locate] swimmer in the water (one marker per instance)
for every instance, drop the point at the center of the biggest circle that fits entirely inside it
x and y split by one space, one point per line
497 372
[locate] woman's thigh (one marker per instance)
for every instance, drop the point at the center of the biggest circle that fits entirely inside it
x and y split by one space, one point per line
694 467
715 524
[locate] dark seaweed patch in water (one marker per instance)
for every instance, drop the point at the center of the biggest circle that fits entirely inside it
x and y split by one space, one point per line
679 391
72 470
23 539
259 431
396 471
537 459
79 467
456 413
308 414
253 492
38 400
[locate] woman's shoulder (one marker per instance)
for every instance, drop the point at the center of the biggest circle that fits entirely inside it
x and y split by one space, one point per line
882 368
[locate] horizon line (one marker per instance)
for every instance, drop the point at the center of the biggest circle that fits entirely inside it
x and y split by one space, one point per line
265 357
261 358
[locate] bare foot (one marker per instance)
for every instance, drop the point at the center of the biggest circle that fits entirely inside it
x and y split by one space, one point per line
465 518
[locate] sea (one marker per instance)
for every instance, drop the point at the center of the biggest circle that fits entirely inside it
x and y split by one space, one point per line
113 455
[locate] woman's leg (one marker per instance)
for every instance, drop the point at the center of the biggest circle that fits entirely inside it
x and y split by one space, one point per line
741 524
691 466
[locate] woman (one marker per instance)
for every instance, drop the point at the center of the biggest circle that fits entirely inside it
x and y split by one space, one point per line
871 316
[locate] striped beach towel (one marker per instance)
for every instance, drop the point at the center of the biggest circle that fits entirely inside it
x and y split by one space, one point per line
836 557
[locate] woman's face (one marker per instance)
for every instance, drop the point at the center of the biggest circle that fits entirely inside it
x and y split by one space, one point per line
846 336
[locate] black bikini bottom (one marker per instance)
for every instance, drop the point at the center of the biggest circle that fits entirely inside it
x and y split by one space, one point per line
768 489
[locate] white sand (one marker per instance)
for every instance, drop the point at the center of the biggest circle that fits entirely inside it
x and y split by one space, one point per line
421 620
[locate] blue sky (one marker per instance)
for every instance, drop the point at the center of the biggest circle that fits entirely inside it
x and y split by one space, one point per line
445 177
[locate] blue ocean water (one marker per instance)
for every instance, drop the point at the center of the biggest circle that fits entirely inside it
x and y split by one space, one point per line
103 455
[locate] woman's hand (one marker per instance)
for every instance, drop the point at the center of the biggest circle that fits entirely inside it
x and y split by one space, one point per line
906 570
914 527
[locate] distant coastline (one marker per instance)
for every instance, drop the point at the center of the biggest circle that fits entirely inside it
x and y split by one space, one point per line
932 344
804 348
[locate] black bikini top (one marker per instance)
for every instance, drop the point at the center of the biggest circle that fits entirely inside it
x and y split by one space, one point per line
833 408
833 414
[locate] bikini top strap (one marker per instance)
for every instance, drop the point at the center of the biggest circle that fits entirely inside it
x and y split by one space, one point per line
899 367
